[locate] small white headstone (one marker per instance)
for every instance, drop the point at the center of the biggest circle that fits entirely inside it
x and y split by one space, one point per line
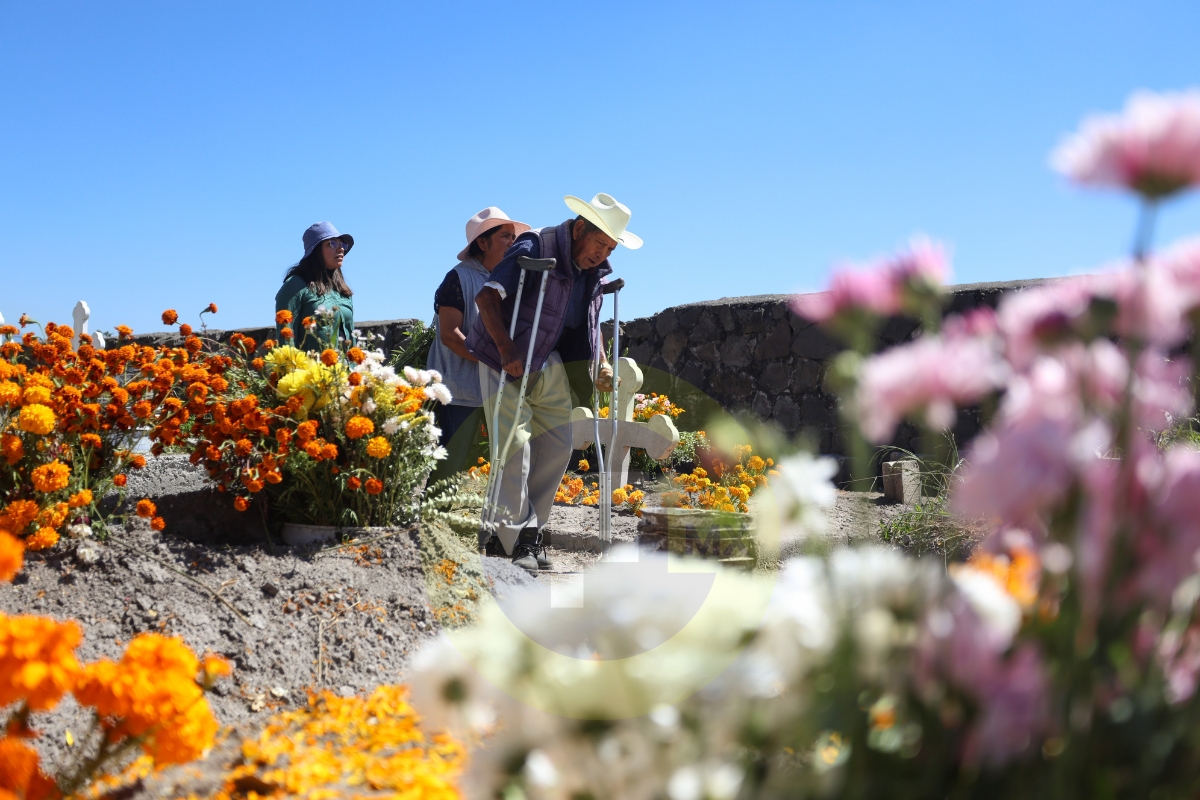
80 315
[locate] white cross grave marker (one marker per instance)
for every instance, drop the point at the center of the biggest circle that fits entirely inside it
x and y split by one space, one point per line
80 315
658 437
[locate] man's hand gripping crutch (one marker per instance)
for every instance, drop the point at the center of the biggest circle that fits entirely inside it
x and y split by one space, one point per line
605 381
499 452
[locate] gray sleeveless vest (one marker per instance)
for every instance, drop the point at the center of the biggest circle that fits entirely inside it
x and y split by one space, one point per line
460 376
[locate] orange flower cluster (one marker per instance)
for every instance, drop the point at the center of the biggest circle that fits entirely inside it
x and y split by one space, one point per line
67 412
730 487
572 491
350 745
152 694
153 698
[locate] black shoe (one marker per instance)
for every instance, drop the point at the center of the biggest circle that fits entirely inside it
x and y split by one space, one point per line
534 542
529 553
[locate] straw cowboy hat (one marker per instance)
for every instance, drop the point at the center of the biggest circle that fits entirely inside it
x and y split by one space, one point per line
608 215
484 221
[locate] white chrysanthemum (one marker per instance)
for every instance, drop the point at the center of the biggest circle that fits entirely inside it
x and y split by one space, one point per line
435 376
448 691
368 406
391 425
416 377
439 392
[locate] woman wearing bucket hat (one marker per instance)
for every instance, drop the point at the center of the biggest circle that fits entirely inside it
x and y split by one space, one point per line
314 289
489 235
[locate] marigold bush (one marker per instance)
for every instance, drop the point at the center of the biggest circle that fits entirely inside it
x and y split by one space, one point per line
309 432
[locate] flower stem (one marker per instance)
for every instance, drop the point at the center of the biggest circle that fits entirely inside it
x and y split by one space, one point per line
1144 238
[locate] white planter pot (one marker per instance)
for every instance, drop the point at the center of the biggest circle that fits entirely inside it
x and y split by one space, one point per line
297 535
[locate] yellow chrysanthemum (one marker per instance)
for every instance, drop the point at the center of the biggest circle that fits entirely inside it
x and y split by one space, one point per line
379 447
37 418
287 358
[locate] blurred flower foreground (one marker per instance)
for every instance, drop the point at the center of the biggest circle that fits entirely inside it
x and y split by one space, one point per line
1061 661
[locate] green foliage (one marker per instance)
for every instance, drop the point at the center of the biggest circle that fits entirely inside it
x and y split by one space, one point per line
414 350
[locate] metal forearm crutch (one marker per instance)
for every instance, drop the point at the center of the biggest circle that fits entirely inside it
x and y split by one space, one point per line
613 287
500 454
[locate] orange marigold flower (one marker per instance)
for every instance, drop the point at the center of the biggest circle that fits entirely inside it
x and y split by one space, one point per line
286 333
355 378
37 419
146 508
374 486
273 476
43 539
185 330
157 523
119 480
214 667
91 440
137 462
258 364
12 556
243 447
306 430
124 331
328 452
17 515
379 447
309 323
356 355
142 409
211 309
170 316
80 499
12 447
152 692
354 484
10 393
51 477
20 773
283 317
359 426
241 503
270 344
329 356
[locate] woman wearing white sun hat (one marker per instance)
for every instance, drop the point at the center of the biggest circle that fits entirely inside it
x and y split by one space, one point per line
566 335
489 234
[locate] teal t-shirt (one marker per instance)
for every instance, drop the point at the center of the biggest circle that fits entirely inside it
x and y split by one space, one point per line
296 297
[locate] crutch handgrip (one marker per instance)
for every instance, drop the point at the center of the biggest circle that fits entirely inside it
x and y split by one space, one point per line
612 286
535 264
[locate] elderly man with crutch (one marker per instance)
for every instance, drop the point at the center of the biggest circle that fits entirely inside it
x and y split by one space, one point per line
535 317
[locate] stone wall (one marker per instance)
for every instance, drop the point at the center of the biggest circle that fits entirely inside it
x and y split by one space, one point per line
752 355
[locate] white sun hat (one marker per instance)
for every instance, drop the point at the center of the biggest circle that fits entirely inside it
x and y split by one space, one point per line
608 215
484 221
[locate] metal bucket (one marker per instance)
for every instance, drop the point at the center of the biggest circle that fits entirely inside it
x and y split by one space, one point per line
725 536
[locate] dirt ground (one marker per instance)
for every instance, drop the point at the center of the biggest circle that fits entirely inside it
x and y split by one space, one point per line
291 620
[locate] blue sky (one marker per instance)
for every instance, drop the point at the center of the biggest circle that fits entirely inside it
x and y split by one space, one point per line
167 155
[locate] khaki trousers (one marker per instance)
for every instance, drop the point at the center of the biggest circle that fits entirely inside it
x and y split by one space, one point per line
540 449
